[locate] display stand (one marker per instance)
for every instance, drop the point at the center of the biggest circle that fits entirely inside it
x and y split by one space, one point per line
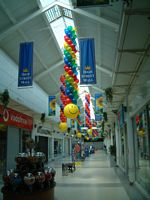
42 195
30 180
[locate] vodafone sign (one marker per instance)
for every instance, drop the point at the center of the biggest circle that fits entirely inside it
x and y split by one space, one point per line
11 117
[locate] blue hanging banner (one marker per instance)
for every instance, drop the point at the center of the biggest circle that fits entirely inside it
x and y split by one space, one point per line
25 74
51 106
87 61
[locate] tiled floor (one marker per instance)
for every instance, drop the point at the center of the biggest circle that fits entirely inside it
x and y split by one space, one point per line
94 179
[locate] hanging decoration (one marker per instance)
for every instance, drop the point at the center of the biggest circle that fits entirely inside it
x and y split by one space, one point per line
63 126
4 98
70 91
62 98
87 114
71 111
109 94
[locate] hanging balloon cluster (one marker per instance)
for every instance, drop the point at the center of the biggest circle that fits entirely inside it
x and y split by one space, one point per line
69 80
87 114
71 91
79 123
63 120
95 133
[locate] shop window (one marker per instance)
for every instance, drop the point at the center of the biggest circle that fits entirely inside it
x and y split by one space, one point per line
142 122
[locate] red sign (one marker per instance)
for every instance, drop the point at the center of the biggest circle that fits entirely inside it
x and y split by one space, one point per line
9 116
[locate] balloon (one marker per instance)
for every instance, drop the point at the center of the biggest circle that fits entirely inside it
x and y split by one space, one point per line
70 72
89 131
63 126
79 135
68 100
71 111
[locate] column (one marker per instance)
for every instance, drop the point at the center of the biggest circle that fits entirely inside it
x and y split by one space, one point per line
70 149
52 148
130 153
63 147
117 143
49 149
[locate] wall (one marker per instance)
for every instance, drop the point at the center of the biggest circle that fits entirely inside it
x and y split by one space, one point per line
12 146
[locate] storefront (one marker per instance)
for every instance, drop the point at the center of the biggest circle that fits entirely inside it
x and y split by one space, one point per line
123 161
15 128
141 124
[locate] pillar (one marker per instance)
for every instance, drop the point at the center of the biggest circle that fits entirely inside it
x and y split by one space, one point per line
52 148
130 153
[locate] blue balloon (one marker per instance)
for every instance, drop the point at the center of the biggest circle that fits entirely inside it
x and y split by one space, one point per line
74 101
67 91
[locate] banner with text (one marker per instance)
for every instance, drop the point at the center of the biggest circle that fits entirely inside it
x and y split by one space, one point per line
87 61
25 74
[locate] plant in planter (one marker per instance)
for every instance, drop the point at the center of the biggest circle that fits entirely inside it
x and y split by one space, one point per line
4 98
112 150
109 94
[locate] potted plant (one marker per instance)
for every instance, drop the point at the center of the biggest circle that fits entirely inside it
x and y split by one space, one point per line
4 98
109 94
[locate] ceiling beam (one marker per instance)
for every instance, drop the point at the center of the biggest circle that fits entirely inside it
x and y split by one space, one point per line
91 16
16 25
105 70
97 88
13 20
39 76
131 50
42 10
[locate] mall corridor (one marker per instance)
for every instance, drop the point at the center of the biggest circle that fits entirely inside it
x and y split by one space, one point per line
96 178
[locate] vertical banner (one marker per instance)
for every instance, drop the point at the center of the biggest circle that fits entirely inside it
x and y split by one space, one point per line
87 61
98 107
51 106
25 74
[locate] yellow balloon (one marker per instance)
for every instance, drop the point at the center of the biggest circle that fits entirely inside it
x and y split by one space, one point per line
79 135
63 126
71 111
87 138
89 131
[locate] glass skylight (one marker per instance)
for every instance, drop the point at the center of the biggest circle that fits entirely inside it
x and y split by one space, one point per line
58 27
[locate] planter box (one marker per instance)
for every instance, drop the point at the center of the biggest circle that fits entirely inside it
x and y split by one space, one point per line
42 195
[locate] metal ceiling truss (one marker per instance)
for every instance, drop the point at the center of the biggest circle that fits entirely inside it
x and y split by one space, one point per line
42 10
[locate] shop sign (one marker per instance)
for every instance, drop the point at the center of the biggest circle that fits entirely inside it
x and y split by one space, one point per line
11 117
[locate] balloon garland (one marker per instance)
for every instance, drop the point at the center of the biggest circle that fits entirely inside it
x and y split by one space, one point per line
63 119
87 114
70 67
69 80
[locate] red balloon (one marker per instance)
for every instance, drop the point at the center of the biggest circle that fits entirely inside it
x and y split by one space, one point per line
77 80
66 38
69 42
68 101
70 72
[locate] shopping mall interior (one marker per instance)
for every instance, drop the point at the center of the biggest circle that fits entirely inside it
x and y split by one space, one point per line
74 99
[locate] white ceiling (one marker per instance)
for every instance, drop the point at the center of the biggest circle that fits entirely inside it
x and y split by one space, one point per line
122 36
